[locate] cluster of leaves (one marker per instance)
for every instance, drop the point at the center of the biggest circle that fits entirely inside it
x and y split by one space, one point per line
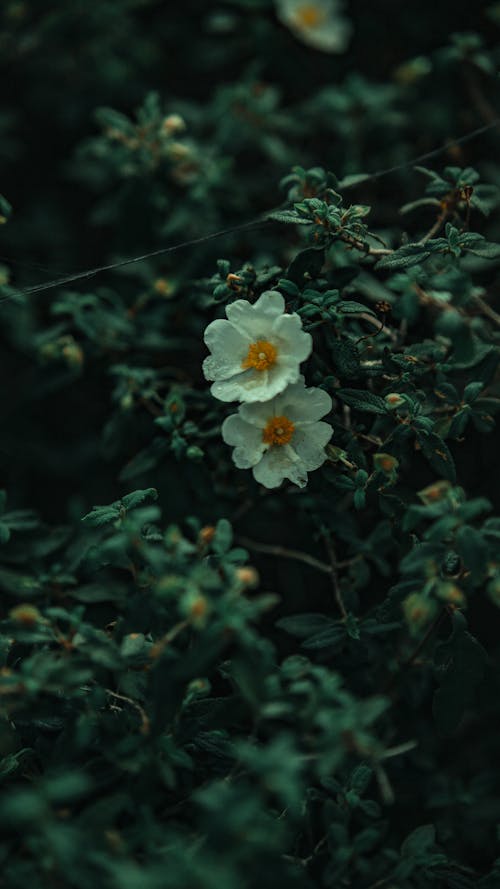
205 683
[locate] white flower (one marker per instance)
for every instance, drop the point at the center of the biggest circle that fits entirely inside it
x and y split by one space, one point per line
281 438
257 351
316 22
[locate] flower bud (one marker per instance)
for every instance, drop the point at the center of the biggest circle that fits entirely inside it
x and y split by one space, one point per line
418 610
451 593
394 400
196 607
162 287
25 614
386 463
173 123
207 534
434 493
73 354
247 576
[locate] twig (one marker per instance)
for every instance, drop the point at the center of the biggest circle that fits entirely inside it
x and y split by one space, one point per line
333 574
435 228
273 550
156 650
486 110
384 785
364 247
492 315
284 552
381 882
243 508
145 724
376 323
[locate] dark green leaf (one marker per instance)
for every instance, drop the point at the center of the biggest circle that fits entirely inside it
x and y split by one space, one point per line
363 400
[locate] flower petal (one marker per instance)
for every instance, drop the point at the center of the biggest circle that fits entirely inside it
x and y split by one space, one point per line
232 389
246 439
295 341
228 347
257 413
309 444
253 386
303 405
277 464
327 30
271 302
255 320
264 385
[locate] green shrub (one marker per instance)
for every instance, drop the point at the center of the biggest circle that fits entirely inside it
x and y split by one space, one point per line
273 665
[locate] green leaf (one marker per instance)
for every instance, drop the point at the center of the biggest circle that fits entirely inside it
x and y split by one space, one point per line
363 400
438 454
485 249
332 638
404 258
102 515
419 842
137 497
5 207
345 357
11 763
99 592
21 520
354 179
473 549
304 625
289 217
472 391
460 664
17 584
349 307
306 265
223 537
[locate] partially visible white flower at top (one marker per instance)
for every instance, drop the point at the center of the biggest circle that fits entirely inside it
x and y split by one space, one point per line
257 351
316 22
281 438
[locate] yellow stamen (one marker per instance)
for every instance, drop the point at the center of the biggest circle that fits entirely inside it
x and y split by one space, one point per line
261 355
278 431
309 16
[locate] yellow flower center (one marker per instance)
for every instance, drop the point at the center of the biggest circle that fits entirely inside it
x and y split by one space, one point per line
261 355
309 16
278 431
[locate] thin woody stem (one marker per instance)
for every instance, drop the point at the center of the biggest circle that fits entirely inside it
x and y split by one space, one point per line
144 717
334 576
435 228
285 553
488 311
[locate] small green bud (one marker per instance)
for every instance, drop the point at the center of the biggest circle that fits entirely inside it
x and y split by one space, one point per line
194 453
127 401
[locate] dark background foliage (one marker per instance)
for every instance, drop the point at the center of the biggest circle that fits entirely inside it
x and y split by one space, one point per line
172 717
